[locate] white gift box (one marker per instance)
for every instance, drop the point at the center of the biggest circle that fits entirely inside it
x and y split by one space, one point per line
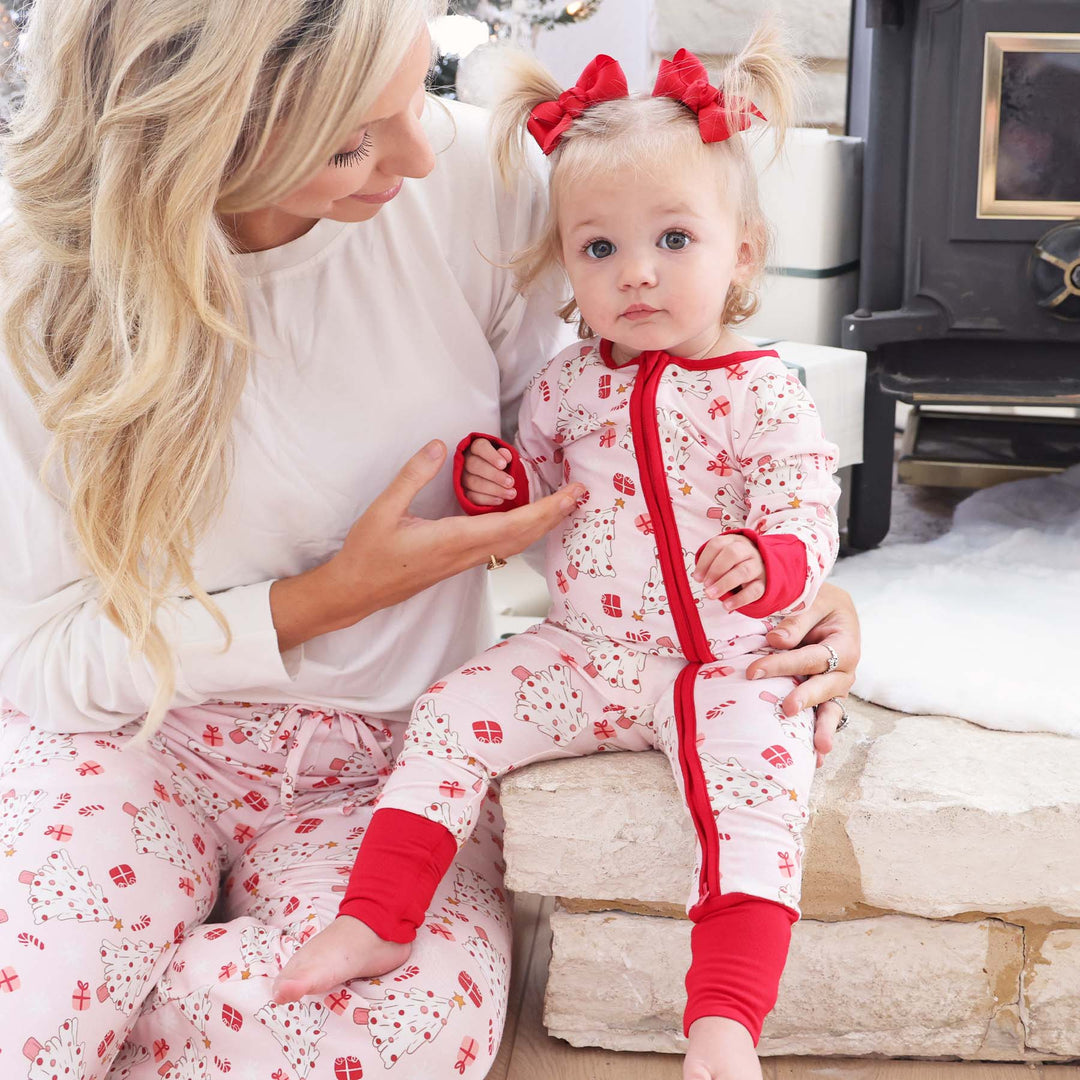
812 196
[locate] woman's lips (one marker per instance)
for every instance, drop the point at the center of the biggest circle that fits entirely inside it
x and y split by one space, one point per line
380 197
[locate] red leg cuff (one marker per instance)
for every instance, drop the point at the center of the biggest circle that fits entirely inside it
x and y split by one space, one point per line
402 859
739 945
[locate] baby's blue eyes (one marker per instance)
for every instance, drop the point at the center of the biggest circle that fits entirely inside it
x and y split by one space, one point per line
672 240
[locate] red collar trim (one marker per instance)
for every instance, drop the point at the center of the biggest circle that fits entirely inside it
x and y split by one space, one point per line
705 364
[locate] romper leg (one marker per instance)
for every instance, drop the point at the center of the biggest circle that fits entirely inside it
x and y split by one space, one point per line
745 771
538 696
104 870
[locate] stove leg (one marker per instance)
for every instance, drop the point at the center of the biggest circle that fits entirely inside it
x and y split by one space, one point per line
871 482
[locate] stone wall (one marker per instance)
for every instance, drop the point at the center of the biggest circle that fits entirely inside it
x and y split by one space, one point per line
714 29
941 897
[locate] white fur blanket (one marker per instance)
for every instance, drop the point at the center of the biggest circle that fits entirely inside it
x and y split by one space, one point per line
981 623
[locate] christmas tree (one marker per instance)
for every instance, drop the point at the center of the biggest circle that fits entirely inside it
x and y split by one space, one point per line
521 21
128 968
297 1027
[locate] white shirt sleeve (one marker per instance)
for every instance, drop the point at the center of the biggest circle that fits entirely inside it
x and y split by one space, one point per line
62 661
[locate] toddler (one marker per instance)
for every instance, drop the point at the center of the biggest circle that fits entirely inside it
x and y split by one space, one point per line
707 515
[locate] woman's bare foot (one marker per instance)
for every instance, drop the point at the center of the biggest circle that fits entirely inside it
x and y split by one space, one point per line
720 1049
346 949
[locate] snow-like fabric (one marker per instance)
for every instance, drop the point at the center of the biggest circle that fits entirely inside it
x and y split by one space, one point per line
115 858
936 616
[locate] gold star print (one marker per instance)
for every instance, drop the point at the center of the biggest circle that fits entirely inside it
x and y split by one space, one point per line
331 843
375 982
686 489
459 1001
236 804
620 503
637 615
793 795
796 502
245 974
206 1042
446 919
9 852
118 924
621 389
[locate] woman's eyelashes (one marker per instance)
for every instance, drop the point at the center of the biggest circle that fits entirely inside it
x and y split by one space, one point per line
353 157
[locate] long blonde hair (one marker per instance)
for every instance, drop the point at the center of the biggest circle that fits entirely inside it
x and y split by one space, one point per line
144 121
648 134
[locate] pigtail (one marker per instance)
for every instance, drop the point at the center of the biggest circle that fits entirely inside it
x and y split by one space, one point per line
768 73
529 84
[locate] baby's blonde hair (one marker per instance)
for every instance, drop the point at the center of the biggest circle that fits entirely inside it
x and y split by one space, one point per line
648 134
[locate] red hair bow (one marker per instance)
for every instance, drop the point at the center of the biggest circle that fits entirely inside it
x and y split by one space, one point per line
602 80
685 79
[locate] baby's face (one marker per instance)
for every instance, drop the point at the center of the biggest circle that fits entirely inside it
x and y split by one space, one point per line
650 258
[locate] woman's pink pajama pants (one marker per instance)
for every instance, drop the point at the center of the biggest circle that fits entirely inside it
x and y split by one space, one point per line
252 815
743 768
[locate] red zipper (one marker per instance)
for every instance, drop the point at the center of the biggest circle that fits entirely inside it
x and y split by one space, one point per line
691 634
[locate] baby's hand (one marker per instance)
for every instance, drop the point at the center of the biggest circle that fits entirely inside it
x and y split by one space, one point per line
727 562
484 477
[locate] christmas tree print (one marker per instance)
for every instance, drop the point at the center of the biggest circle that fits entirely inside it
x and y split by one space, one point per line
697 588
799 727
207 805
796 824
456 819
195 1008
694 383
778 398
61 1056
260 949
494 965
616 664
780 475
730 509
549 699
430 732
270 731
62 891
130 1057
191 1065
156 835
588 543
403 1021
297 1027
573 366
38 748
730 786
574 422
129 967
472 892
289 856
16 813
654 593
677 436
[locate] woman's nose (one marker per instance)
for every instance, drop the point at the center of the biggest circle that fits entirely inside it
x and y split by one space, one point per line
407 151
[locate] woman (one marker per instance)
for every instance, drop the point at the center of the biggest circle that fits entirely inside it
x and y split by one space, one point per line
234 314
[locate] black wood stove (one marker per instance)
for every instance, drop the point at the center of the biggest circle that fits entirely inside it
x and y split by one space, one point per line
970 263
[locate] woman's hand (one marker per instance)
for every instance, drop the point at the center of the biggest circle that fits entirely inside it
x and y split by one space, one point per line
390 555
832 619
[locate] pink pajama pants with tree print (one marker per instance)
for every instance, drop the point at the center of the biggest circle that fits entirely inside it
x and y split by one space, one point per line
150 897
743 768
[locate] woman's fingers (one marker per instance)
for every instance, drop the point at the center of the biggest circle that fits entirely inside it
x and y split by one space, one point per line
828 716
510 533
412 477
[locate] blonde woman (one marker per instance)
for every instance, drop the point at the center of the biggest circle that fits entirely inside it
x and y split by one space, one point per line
232 313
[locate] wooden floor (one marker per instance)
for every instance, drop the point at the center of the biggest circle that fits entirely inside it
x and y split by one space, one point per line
529 1053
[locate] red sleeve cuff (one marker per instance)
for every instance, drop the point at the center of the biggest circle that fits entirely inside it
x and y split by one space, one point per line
784 557
517 472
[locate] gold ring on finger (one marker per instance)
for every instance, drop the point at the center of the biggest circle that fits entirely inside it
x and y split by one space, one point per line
494 562
843 722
